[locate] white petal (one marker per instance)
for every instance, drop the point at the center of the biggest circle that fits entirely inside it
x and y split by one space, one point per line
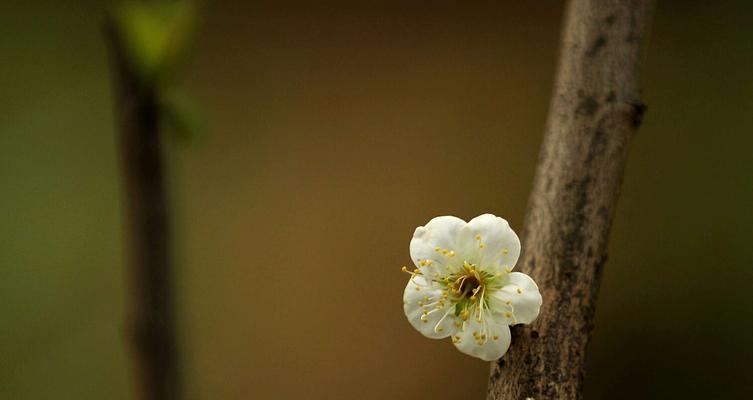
439 322
495 243
489 348
441 233
523 294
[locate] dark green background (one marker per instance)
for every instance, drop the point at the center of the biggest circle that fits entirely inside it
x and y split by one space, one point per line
332 131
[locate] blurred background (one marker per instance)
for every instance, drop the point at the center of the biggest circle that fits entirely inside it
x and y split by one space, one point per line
332 131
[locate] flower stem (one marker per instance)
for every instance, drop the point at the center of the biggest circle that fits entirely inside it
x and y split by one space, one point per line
151 319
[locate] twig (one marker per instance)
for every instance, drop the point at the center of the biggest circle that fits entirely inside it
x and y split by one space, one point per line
151 323
594 112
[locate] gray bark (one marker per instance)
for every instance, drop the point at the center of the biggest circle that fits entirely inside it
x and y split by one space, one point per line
594 112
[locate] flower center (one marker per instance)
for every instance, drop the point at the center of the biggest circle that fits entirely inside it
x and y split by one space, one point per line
469 286
468 283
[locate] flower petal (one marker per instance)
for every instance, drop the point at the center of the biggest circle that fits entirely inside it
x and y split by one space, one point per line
523 294
495 243
420 297
436 239
489 344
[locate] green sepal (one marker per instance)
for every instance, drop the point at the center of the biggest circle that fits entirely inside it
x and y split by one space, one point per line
155 35
181 117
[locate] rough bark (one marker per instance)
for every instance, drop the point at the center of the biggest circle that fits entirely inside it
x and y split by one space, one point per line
151 327
595 110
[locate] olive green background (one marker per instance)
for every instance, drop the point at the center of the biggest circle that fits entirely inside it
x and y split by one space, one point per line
332 131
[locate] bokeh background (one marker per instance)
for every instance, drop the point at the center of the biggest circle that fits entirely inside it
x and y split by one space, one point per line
332 131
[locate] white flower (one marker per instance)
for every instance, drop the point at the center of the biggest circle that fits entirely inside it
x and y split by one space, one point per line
463 285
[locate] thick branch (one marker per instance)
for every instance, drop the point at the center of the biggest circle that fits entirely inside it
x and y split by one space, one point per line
151 320
595 110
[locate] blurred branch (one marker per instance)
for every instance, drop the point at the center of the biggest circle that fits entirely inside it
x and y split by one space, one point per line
151 322
594 112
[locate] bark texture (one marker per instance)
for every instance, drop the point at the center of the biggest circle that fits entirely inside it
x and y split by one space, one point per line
151 326
595 110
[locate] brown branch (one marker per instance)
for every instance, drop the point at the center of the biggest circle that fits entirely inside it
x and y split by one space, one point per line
151 324
595 110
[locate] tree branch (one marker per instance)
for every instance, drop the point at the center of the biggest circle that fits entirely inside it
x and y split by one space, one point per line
594 112
151 319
